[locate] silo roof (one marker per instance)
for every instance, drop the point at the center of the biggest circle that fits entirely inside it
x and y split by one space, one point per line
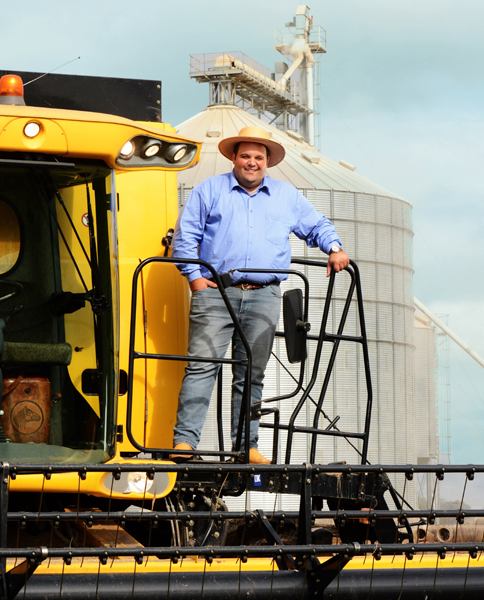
303 166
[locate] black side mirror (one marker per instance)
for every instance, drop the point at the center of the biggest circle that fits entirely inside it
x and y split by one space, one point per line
295 329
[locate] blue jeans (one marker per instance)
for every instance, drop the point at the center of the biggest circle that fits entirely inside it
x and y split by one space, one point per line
210 331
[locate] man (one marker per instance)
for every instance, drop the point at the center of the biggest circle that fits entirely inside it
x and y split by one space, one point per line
240 220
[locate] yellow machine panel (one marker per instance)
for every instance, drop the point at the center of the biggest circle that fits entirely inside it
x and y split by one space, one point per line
147 209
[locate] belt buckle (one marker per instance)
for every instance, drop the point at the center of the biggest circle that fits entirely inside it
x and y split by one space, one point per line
245 286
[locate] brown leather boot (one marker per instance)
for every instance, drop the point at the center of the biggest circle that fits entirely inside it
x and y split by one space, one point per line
256 458
181 446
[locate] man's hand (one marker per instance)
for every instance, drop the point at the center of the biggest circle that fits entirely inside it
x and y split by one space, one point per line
201 283
337 261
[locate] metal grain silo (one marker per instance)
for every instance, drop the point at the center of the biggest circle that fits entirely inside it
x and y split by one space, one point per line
426 440
376 231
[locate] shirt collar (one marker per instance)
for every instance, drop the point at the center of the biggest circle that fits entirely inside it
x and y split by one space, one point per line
265 185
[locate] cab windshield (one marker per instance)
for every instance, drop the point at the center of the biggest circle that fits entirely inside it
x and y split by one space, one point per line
58 310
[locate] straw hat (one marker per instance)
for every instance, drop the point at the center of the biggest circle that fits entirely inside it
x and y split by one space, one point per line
256 135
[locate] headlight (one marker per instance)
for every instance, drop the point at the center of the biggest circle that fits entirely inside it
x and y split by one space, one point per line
134 482
144 151
127 150
175 152
150 149
32 129
138 483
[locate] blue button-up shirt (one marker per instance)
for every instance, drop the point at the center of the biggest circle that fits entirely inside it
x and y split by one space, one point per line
224 225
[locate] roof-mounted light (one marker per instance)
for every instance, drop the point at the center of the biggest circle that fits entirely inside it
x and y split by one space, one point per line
175 152
32 129
150 149
12 90
127 150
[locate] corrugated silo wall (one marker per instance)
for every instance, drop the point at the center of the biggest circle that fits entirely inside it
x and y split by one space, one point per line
426 441
377 233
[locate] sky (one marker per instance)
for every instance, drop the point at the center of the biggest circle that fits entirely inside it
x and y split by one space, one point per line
401 99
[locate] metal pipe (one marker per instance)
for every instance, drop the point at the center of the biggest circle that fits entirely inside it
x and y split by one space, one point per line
207 467
448 331
465 533
468 532
310 101
284 79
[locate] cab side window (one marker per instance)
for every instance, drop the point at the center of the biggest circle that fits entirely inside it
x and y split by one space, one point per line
9 238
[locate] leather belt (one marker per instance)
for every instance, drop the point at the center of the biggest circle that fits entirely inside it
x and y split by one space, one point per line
248 286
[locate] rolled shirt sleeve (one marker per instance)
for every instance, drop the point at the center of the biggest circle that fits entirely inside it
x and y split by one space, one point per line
313 227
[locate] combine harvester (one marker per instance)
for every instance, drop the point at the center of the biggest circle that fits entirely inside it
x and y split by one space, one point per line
93 323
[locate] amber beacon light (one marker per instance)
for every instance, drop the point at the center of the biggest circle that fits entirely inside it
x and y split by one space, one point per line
12 90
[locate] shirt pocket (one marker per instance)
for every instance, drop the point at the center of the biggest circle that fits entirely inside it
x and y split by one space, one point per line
276 230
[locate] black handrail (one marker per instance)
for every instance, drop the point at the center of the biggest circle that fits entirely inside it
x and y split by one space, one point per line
324 336
245 408
336 338
281 334
245 414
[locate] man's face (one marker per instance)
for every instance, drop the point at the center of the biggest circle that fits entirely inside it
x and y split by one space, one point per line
250 165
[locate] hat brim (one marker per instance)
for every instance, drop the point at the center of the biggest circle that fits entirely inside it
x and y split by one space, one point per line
276 150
